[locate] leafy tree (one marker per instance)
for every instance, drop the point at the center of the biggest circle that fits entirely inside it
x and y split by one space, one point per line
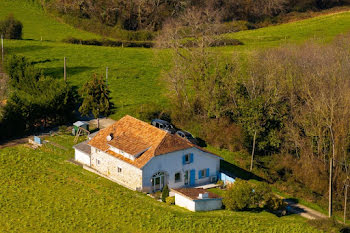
11 28
96 98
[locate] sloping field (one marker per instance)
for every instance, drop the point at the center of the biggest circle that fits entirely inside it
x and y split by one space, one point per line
42 192
134 73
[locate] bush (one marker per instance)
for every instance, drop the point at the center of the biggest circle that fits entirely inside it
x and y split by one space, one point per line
11 28
243 195
165 193
63 129
238 196
262 195
220 183
219 42
170 200
275 204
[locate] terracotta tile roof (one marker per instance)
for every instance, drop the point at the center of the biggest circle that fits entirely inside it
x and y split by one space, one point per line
134 136
193 193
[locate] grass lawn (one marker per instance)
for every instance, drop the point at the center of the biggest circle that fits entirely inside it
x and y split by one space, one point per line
40 191
135 73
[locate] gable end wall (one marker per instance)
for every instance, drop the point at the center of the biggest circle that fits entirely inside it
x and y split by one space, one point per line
130 176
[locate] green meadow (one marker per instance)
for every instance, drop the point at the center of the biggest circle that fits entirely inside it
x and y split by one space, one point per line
40 191
135 74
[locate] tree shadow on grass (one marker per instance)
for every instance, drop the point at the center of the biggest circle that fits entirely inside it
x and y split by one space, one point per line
28 48
57 72
44 61
235 171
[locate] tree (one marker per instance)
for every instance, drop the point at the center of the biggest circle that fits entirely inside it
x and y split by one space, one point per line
96 98
11 28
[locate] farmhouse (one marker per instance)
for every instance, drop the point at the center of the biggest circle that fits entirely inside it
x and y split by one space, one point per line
142 157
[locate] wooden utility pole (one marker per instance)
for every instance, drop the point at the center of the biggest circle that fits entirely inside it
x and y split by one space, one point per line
106 76
345 199
2 48
252 158
330 188
65 70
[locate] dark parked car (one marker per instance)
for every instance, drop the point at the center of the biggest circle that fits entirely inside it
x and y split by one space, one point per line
164 125
186 135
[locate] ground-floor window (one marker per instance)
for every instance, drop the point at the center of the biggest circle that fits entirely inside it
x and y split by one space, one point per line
98 162
119 169
177 177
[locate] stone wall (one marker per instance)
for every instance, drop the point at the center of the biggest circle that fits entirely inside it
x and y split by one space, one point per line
127 175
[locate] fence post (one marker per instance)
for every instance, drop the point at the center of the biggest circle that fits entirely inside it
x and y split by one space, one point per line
65 70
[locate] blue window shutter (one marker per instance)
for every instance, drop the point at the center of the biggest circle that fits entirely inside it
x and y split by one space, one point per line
207 172
191 158
183 160
199 175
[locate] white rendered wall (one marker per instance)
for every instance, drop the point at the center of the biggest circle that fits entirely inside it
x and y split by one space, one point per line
171 163
184 202
82 157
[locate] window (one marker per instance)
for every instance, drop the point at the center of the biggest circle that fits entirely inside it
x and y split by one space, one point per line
187 158
98 162
203 173
119 169
177 177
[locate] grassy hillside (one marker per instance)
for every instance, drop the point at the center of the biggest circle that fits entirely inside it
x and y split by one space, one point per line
42 192
134 73
37 24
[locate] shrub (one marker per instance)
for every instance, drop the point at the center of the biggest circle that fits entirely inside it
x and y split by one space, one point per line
220 183
109 43
11 28
238 196
243 195
274 204
165 193
219 42
63 129
262 194
170 200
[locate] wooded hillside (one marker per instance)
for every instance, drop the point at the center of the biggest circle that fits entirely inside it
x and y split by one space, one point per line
149 15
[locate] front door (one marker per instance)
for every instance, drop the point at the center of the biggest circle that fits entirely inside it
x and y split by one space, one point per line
158 181
192 177
186 177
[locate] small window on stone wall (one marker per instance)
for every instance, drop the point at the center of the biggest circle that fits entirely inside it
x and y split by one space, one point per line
98 162
119 169
177 177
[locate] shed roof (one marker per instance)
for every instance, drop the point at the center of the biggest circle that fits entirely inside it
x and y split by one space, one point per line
83 147
80 123
193 193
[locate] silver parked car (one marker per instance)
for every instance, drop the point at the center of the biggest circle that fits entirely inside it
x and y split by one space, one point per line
186 135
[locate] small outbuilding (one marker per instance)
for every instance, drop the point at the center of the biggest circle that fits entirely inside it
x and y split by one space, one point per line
197 199
79 124
83 153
